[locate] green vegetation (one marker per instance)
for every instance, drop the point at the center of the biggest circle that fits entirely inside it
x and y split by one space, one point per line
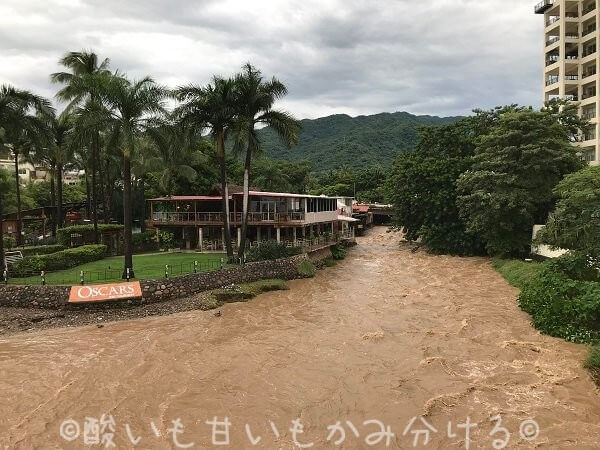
517 272
64 259
246 291
86 231
592 363
338 252
271 250
41 249
148 267
564 299
358 141
481 183
306 268
575 224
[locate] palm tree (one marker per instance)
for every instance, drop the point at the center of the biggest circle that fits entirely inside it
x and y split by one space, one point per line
212 107
22 130
80 86
176 152
133 106
255 98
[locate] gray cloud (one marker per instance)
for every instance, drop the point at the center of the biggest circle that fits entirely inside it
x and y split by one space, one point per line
437 57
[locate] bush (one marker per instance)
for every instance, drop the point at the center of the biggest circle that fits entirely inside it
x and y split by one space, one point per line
564 299
9 242
166 240
238 293
65 259
306 268
338 252
143 242
592 363
42 250
86 231
271 250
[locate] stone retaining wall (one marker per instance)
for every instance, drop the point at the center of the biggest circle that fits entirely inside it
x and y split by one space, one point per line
56 297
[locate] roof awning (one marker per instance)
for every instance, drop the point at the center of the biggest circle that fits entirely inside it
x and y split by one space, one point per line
347 219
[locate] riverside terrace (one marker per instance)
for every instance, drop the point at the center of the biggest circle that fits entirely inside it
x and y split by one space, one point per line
296 219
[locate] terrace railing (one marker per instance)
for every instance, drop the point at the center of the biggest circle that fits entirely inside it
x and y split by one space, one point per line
217 217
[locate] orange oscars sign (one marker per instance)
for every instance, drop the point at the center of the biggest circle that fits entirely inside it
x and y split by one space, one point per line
105 292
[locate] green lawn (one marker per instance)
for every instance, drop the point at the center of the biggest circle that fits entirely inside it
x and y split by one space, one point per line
149 266
517 272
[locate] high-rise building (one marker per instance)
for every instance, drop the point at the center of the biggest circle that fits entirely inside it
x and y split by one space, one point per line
571 62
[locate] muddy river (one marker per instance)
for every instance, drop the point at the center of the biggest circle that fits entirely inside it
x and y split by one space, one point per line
400 348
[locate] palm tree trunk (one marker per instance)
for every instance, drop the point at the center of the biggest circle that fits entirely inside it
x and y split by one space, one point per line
245 202
107 191
95 139
127 217
225 194
53 197
143 199
88 198
59 195
18 186
2 261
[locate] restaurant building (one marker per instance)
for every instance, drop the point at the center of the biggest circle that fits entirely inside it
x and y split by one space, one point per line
295 219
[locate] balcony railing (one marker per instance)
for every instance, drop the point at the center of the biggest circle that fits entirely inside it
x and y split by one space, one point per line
571 98
571 15
572 77
589 52
552 19
552 80
588 9
217 217
588 94
589 115
572 57
588 31
552 39
542 6
571 36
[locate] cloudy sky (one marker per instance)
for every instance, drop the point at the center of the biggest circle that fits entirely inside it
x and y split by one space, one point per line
439 57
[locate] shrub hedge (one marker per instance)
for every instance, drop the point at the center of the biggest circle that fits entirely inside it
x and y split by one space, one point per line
271 250
42 250
65 259
143 242
86 231
564 298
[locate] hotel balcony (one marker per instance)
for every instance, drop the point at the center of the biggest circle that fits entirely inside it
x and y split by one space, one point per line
543 6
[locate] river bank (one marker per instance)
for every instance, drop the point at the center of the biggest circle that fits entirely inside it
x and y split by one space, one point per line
385 335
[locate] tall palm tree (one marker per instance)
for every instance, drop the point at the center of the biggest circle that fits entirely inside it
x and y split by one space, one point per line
22 130
255 98
213 108
133 107
80 86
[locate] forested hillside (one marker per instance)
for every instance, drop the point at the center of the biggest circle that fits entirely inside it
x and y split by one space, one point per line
340 140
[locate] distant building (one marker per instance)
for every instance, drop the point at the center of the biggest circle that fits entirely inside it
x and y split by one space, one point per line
571 61
27 171
295 219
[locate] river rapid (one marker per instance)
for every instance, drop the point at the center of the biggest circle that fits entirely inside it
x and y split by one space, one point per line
387 336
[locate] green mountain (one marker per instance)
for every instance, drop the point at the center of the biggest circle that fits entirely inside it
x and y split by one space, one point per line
340 140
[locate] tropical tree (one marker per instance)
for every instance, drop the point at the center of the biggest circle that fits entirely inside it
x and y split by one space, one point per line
133 107
81 84
510 184
255 98
22 130
212 107
176 152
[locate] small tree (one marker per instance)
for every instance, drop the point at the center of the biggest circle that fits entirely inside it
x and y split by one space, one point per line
575 224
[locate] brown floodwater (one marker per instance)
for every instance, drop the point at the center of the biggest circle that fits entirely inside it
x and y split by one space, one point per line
387 335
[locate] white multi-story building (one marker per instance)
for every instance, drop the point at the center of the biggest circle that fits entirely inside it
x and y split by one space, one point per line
571 63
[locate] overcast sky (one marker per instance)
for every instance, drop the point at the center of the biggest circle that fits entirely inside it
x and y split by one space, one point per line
439 57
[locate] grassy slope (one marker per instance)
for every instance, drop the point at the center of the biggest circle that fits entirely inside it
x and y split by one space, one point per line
150 266
517 272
